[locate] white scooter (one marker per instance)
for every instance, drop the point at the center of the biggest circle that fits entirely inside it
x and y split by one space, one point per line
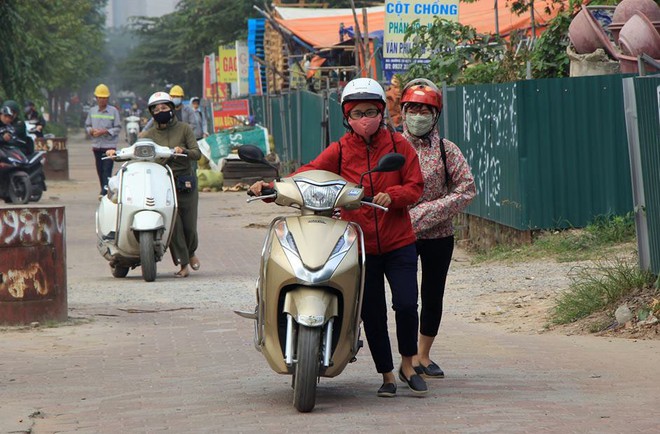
132 128
134 220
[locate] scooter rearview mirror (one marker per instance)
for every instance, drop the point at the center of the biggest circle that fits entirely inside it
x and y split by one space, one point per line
387 163
251 154
254 154
390 162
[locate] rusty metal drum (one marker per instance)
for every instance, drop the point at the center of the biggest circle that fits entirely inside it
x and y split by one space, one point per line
32 265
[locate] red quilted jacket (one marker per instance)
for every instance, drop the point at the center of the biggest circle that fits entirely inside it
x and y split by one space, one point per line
383 231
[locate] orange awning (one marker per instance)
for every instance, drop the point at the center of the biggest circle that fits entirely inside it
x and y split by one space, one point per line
323 31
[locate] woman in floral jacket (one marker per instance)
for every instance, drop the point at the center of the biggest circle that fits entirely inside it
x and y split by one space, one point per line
448 189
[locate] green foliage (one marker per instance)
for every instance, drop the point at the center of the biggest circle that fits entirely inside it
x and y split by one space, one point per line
50 45
454 47
171 48
56 129
613 228
596 239
595 288
549 57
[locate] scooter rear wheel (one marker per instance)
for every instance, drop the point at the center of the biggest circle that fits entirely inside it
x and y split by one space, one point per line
147 256
307 368
20 188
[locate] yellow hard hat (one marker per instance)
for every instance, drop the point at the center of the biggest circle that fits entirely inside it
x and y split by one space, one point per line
102 91
176 91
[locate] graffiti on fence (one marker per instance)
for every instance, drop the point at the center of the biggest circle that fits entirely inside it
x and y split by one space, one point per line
30 226
490 130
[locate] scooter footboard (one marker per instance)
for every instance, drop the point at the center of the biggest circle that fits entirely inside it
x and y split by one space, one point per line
312 307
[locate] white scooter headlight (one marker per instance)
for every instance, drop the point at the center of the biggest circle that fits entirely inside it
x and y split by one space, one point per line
319 197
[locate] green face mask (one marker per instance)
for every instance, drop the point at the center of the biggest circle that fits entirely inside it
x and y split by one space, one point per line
419 125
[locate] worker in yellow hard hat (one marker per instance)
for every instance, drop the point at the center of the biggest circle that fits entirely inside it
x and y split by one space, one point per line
103 126
183 112
102 91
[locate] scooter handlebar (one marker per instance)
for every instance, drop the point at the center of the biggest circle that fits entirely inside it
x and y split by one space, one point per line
264 192
369 200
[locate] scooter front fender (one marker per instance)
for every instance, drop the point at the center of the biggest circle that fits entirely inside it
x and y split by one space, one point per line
147 221
312 307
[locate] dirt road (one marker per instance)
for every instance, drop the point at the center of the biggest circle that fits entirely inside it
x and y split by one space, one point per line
171 355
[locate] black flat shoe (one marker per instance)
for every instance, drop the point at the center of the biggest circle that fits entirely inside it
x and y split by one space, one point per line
418 369
416 383
432 370
387 390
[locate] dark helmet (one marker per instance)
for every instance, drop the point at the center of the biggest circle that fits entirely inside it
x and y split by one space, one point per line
13 105
6 110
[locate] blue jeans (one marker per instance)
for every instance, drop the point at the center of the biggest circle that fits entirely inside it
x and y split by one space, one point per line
400 268
103 168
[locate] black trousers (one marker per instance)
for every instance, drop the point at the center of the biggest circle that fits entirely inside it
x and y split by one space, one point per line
103 168
184 240
435 256
400 268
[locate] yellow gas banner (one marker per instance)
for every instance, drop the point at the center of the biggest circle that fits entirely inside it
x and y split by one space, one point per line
227 64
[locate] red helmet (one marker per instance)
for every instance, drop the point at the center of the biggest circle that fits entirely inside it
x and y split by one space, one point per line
422 91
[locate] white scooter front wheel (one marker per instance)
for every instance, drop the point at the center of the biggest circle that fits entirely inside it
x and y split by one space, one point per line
147 256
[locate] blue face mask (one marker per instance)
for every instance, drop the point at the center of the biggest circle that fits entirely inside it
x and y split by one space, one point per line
176 101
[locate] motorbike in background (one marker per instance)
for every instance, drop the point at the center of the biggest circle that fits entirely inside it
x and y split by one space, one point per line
22 178
311 279
132 128
134 220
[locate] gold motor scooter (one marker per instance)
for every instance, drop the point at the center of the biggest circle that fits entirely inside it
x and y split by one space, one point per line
310 285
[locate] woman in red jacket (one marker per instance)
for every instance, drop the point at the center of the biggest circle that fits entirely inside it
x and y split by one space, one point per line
389 237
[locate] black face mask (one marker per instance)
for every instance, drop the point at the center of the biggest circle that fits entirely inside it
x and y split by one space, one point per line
163 117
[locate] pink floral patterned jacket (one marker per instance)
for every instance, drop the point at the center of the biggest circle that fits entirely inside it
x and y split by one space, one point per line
441 201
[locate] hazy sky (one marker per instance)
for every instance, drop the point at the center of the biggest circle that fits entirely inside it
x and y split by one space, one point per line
118 11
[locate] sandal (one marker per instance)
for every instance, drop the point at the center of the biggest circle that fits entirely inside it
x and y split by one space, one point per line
182 273
194 263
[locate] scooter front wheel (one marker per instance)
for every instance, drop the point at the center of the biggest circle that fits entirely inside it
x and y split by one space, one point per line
20 188
147 256
307 368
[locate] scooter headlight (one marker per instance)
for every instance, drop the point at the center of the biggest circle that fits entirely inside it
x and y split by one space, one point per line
319 196
144 151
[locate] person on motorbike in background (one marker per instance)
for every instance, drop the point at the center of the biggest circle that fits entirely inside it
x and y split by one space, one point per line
33 116
448 189
389 238
22 140
181 111
170 132
7 130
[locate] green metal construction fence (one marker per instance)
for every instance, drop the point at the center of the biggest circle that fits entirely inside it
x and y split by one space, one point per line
642 99
545 153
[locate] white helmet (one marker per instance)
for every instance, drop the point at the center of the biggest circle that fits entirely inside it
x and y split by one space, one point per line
160 98
363 89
